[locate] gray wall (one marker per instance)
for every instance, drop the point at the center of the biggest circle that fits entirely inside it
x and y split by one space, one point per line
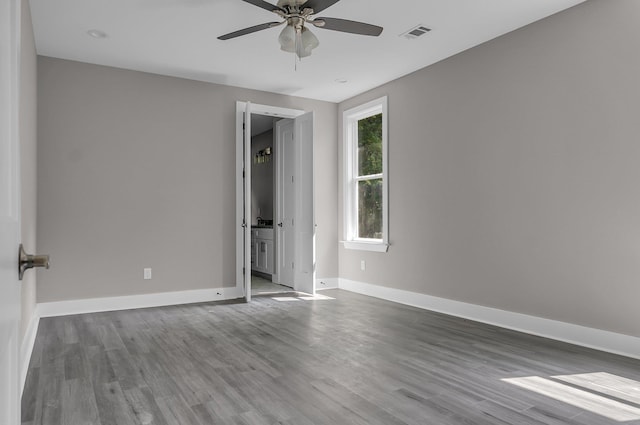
262 179
514 173
28 157
138 170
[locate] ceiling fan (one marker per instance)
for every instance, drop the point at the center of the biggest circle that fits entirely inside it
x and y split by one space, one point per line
296 37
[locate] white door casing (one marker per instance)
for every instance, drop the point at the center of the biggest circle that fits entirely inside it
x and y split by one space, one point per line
240 110
9 212
243 244
246 214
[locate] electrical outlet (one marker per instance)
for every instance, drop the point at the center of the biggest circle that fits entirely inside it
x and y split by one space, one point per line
363 265
147 274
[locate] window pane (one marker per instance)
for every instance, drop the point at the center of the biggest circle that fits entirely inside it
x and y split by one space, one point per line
370 209
370 145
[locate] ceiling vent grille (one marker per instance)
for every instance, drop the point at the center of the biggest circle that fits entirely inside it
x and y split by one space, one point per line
415 32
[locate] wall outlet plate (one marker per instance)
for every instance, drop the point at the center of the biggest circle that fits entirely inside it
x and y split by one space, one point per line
147 274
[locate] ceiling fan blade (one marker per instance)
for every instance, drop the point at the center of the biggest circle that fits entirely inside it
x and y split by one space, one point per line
318 5
249 30
265 5
345 25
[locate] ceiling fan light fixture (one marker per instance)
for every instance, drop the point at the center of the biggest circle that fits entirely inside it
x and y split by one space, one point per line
302 53
309 40
287 39
301 44
306 41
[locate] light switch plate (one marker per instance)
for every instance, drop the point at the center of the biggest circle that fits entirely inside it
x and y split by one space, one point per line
147 274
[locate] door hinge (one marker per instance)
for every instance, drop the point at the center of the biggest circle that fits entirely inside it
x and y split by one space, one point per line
243 126
244 270
243 173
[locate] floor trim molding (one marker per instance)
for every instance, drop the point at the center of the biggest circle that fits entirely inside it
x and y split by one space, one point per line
327 283
26 348
611 342
95 305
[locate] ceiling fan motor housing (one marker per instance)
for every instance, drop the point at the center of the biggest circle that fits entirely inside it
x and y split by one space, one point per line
285 3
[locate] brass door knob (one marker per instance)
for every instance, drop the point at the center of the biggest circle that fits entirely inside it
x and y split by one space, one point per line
26 261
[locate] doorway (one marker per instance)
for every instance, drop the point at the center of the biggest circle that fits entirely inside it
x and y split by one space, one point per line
265 270
292 224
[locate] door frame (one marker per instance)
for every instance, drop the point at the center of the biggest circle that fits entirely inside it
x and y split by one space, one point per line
11 365
241 262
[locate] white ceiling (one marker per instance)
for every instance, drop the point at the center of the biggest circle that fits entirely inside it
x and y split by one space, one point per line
179 38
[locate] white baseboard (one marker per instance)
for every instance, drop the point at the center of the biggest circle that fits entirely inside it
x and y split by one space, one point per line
26 348
94 305
327 283
580 335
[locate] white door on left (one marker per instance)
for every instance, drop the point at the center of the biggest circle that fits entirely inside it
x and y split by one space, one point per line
9 213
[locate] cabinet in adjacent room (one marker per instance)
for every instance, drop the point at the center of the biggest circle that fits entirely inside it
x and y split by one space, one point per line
262 253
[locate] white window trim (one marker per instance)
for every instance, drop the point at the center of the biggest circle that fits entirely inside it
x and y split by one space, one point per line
350 118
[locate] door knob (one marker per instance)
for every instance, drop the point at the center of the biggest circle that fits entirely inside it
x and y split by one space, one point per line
26 261
280 224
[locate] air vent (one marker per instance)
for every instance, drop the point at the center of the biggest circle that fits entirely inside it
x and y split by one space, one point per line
415 32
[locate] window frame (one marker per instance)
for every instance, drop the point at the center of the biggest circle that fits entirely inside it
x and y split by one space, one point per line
350 120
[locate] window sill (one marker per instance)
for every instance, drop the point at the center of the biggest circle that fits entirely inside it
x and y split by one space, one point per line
366 246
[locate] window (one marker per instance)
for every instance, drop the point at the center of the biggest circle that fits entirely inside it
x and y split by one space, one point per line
365 184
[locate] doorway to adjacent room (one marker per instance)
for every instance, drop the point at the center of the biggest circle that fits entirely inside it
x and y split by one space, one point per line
275 234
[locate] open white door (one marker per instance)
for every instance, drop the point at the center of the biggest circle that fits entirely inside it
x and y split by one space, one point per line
9 214
285 204
305 223
246 214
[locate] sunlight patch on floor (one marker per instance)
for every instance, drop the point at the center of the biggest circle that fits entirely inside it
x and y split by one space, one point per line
316 297
606 385
306 297
285 299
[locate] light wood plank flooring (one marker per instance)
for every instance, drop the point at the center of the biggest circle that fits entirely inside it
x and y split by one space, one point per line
348 360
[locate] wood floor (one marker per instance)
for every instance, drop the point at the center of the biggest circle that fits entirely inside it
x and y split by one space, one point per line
348 360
